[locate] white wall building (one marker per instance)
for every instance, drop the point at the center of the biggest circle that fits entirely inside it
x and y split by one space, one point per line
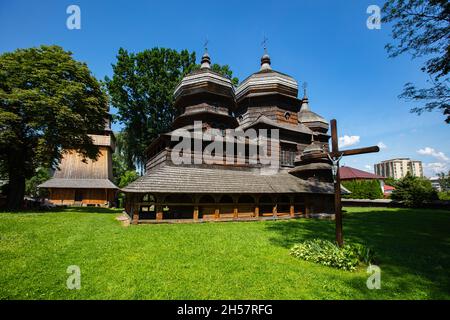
398 168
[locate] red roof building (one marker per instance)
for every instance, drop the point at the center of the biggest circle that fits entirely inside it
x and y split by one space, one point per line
387 190
349 173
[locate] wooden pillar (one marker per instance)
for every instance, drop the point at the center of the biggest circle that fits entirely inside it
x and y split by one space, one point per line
291 208
196 212
159 212
134 208
274 210
235 209
196 209
217 212
256 206
217 207
306 213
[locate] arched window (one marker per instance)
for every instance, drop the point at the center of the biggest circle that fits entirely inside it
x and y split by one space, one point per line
283 199
226 199
283 204
148 197
266 199
299 198
299 204
206 199
265 205
245 198
178 198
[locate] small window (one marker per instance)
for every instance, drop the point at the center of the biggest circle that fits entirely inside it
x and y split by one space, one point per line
287 115
287 156
148 198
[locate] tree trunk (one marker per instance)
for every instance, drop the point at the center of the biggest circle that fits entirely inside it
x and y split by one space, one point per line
16 189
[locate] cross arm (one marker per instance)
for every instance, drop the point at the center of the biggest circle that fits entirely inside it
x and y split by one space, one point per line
343 153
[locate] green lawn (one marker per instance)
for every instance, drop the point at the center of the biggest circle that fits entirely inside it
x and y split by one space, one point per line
235 260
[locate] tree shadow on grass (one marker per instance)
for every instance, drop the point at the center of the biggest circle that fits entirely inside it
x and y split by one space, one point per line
100 210
92 210
412 245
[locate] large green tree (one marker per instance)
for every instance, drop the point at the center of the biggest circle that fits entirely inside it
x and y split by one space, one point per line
413 191
422 28
49 102
444 181
141 89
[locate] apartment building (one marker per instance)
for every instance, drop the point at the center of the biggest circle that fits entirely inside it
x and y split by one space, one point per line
398 168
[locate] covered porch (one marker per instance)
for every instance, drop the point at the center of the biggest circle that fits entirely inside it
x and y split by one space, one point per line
166 208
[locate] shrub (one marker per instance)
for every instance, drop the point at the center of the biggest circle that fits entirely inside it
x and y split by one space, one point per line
363 189
444 195
327 253
31 185
414 191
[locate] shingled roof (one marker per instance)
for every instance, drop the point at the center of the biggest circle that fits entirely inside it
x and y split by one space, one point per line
78 183
262 119
349 173
178 179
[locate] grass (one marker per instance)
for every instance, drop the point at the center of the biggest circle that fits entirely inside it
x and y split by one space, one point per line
236 260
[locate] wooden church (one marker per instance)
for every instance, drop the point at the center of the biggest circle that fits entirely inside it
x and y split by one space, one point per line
267 99
85 183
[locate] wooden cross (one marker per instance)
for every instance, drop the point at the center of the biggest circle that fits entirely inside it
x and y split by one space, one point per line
264 44
335 155
205 45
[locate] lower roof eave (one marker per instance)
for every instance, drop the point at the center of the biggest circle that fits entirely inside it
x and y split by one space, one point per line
144 191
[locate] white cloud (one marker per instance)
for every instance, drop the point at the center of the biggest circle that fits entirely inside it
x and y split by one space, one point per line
347 141
431 169
368 167
381 145
434 153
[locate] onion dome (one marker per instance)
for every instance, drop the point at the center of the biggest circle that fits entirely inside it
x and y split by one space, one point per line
316 169
205 95
206 61
313 148
204 80
311 119
267 81
265 62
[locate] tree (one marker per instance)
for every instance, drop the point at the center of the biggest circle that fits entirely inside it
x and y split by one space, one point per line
363 189
225 71
390 181
422 28
127 178
48 103
142 89
119 165
444 181
31 185
413 191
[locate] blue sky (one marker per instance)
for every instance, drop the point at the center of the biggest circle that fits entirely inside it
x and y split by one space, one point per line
325 43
